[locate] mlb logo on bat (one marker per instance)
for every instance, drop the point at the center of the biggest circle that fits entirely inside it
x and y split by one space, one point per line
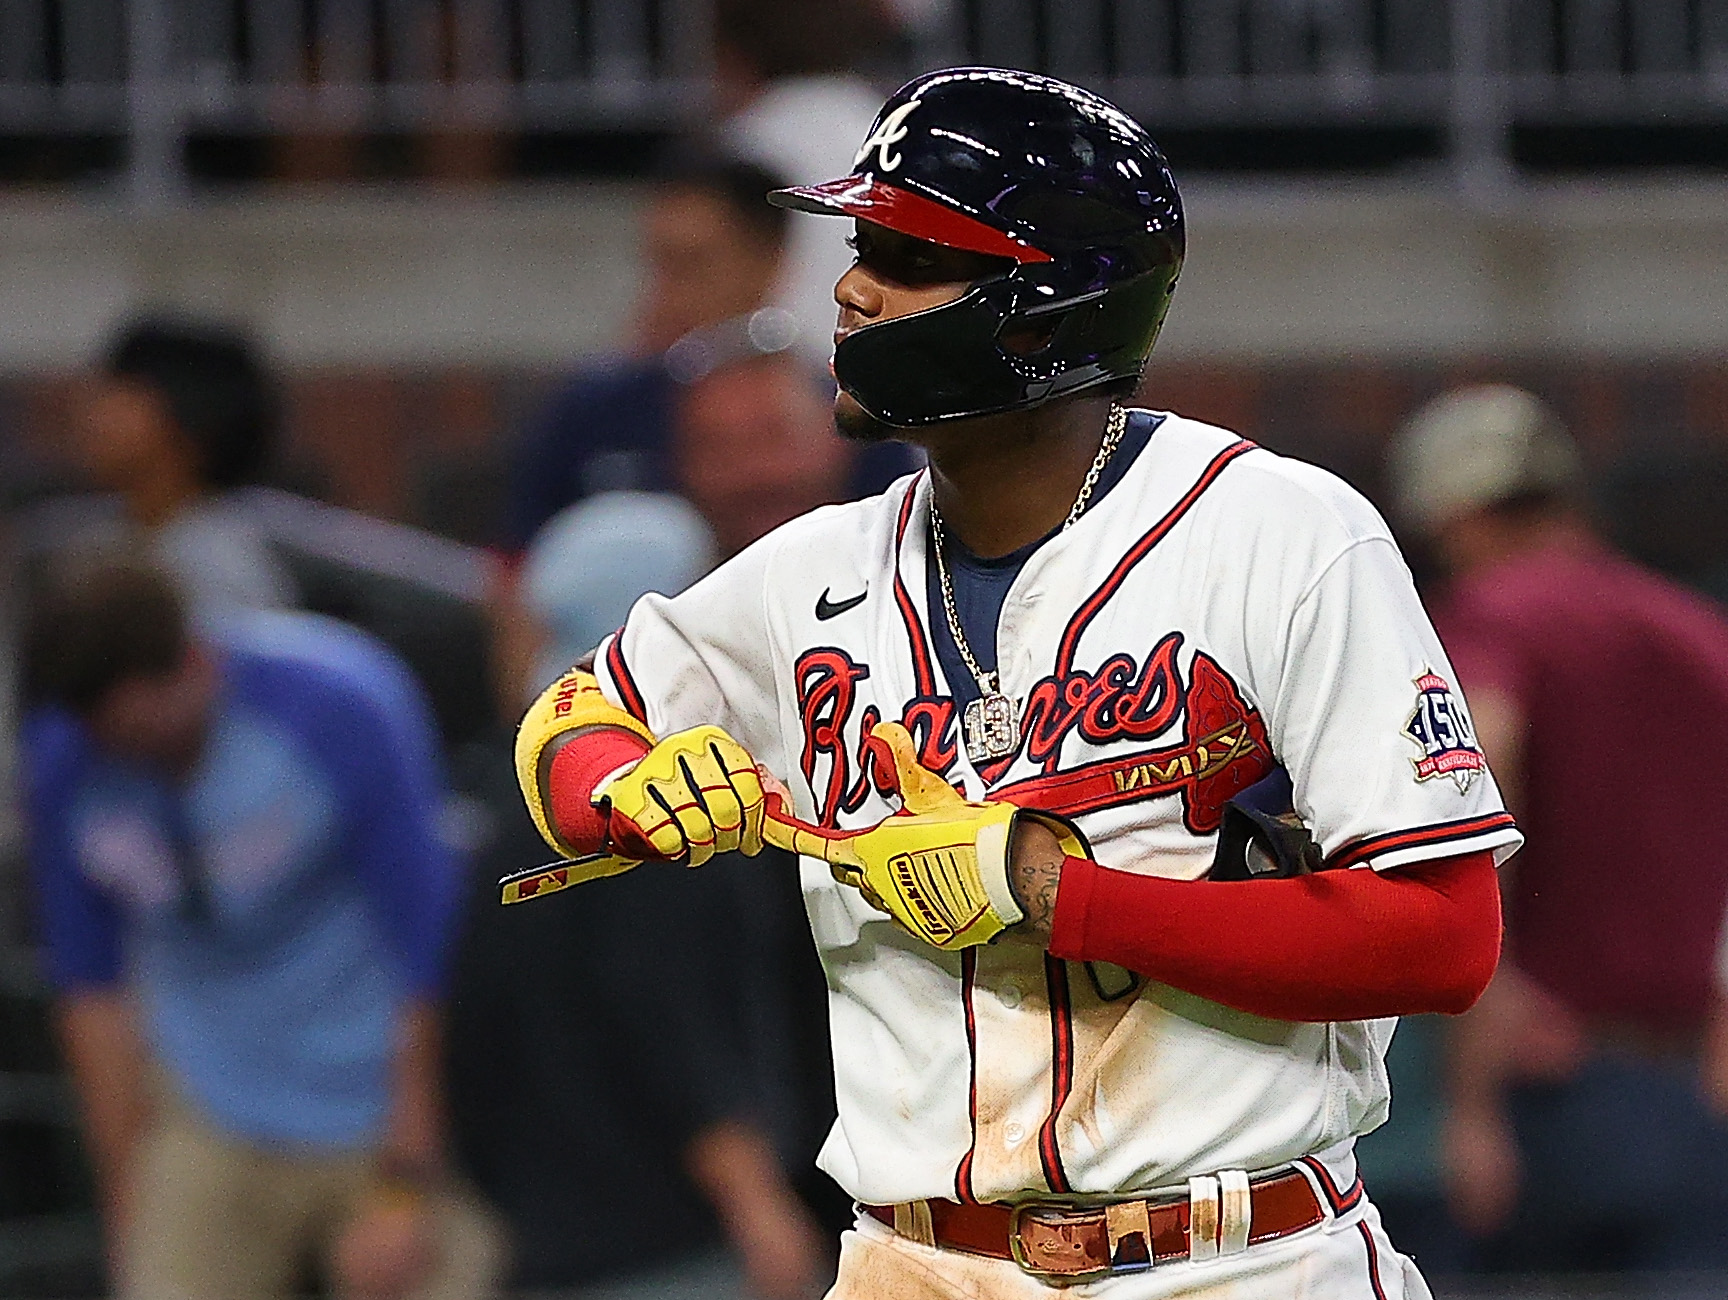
1441 728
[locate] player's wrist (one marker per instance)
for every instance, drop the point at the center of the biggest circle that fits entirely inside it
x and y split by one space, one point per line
1035 859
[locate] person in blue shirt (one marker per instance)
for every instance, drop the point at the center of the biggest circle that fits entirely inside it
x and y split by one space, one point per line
244 905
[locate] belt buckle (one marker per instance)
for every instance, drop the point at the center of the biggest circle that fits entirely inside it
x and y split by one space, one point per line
1056 1248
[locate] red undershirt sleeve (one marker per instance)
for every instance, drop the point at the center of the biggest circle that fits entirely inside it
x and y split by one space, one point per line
576 770
1338 945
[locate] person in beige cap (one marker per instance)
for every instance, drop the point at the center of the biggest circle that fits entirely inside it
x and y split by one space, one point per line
1578 1134
1485 469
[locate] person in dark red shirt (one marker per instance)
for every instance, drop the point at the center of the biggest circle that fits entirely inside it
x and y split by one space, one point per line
1578 1134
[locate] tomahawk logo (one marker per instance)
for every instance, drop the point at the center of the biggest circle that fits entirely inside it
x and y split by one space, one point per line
1441 728
888 133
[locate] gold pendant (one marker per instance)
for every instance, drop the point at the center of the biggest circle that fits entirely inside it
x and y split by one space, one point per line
992 727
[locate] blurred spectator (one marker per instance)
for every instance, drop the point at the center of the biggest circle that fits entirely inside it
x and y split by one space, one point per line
591 562
1667 505
711 405
656 1073
711 252
789 85
755 449
712 246
177 429
1716 1035
244 906
1578 1136
180 414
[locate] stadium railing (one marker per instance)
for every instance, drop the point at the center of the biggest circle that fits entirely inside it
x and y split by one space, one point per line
157 71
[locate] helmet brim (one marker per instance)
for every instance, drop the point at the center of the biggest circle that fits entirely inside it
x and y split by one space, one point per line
869 199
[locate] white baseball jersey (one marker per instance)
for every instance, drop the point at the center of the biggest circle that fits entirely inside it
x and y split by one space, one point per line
1220 610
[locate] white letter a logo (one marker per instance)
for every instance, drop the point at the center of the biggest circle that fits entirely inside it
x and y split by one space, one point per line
891 132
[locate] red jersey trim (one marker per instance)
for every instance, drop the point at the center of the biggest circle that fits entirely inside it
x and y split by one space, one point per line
921 661
968 984
1116 782
1098 599
1061 1059
628 691
1341 1202
1373 1261
1061 1071
1421 837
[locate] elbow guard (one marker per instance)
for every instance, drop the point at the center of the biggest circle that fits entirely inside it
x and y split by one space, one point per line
569 705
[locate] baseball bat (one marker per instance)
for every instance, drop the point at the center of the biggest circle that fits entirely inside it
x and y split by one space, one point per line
779 828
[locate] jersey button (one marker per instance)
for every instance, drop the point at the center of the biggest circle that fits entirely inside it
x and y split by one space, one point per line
1013 1134
1009 995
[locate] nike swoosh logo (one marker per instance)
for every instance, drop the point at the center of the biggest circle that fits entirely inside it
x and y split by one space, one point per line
827 609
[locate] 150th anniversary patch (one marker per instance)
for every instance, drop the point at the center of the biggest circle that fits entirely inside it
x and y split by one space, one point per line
1440 726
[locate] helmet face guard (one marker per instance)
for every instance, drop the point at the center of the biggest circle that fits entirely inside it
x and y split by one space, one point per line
951 362
1013 165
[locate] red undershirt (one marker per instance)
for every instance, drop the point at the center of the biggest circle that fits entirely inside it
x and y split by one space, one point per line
1339 945
576 769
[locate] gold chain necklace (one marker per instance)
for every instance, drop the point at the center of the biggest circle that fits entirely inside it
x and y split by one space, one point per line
991 723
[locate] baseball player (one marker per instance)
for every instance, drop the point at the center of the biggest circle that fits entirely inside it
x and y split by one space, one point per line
1004 710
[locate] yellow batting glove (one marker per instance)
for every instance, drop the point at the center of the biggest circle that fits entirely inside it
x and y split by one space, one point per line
695 794
939 867
572 704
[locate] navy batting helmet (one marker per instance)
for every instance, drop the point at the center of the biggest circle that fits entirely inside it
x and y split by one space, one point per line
1019 166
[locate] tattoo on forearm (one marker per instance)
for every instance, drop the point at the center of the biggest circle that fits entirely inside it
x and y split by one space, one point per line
1034 884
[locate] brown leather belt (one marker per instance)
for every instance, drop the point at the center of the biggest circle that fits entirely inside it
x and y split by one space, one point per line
1072 1242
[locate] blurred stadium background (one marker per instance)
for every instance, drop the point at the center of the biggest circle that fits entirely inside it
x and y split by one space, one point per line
427 211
